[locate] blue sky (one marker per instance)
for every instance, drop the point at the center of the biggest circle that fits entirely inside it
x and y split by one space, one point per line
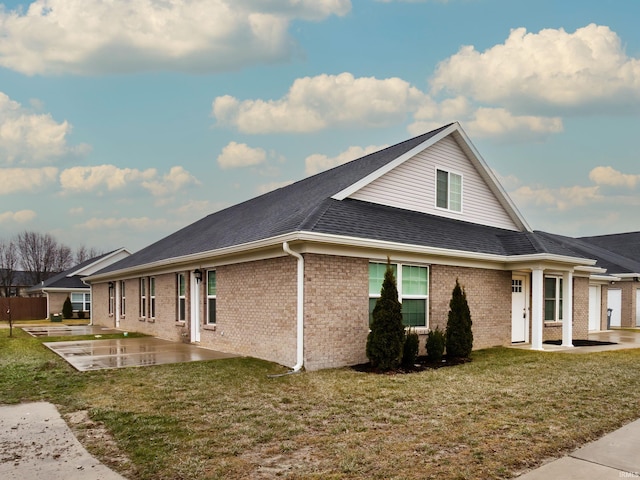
121 122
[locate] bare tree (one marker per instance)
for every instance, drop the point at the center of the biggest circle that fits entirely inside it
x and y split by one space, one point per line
83 254
8 265
42 256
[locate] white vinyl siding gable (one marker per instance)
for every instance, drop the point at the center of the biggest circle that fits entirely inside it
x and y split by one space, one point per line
412 186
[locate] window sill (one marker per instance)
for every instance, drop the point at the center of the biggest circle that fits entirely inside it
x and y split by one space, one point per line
180 323
142 319
210 326
552 323
151 320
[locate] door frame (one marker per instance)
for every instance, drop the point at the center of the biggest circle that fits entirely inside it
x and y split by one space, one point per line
525 313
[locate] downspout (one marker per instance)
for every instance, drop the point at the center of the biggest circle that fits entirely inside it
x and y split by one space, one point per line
299 308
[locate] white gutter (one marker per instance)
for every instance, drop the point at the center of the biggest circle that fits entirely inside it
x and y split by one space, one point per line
299 308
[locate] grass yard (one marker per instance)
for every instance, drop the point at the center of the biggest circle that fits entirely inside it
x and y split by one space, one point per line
495 417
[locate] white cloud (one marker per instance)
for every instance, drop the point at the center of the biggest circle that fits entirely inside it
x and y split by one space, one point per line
551 68
316 103
21 216
240 155
72 36
27 137
563 198
26 179
317 163
174 181
611 177
492 122
99 177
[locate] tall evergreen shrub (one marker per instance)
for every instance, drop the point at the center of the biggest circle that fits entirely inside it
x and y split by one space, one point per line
67 308
459 337
386 339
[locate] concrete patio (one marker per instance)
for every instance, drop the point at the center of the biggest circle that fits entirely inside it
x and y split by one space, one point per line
85 355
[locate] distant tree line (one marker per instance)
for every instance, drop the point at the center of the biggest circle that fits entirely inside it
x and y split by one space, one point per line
38 257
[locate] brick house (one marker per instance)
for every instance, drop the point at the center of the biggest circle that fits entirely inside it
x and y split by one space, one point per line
292 276
70 283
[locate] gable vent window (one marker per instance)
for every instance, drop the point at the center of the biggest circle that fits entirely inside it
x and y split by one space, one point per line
448 190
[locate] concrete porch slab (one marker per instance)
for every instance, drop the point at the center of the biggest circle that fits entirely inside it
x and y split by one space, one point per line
88 355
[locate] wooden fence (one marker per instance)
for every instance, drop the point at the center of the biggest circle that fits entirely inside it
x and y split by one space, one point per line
22 308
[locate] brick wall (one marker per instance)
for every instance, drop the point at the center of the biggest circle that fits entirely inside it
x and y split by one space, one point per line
580 306
256 310
489 297
336 311
100 305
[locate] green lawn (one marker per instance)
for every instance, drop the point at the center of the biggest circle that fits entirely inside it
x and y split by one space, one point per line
499 415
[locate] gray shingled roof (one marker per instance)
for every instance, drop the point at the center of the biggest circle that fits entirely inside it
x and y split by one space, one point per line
626 244
307 205
64 281
605 258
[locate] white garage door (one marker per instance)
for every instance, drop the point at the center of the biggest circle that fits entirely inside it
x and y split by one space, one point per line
615 304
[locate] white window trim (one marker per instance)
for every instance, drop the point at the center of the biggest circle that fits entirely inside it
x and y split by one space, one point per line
143 297
435 192
409 297
181 297
84 301
212 297
558 307
123 298
152 297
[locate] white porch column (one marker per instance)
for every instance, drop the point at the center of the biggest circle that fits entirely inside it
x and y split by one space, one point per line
567 309
537 319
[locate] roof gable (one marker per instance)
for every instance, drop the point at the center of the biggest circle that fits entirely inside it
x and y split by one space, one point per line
409 182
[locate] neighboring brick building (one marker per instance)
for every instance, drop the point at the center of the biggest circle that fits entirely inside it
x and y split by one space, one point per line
70 284
291 276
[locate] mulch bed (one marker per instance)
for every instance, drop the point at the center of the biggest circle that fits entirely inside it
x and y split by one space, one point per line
422 363
580 343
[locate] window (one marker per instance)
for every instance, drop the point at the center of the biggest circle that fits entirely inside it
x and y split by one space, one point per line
448 190
211 297
81 302
181 298
152 297
123 298
413 291
143 297
111 298
552 299
516 286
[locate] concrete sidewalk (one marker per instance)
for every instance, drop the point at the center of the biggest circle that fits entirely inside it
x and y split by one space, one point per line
35 442
614 456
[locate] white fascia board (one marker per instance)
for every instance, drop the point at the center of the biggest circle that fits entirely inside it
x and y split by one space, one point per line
605 278
340 240
92 265
350 190
627 275
592 270
193 258
493 182
444 252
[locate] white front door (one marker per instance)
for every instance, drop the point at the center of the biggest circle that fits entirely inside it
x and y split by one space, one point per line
615 304
195 310
518 309
594 308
